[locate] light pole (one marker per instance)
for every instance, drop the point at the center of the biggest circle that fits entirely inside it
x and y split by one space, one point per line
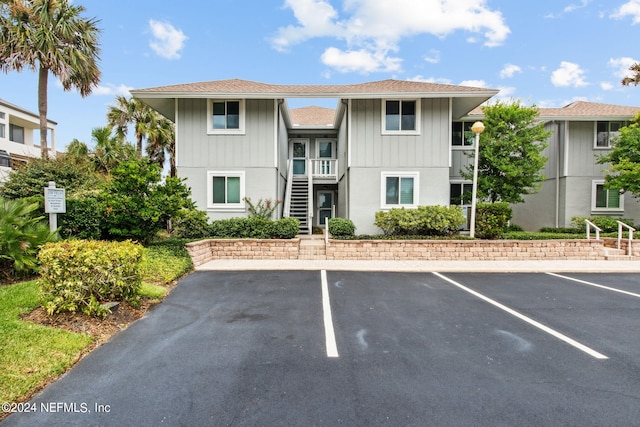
477 128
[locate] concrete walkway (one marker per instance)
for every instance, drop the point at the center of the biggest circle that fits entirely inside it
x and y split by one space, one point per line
618 266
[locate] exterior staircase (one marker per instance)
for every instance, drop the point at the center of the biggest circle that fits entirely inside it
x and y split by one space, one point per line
312 247
300 202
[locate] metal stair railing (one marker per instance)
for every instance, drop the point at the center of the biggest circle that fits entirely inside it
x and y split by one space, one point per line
631 230
286 211
597 229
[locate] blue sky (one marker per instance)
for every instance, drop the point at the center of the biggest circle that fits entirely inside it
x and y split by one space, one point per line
547 52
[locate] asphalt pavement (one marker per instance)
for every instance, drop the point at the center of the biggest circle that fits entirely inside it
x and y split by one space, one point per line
274 347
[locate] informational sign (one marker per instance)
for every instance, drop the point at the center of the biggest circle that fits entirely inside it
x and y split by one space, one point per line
55 200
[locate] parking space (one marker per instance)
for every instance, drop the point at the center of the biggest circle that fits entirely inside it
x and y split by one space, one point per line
368 348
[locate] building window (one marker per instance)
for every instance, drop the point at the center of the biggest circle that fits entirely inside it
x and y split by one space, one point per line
460 193
401 116
225 190
5 159
399 190
606 199
462 135
225 116
607 132
16 133
2 134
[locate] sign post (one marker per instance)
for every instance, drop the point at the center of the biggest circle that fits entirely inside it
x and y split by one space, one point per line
55 202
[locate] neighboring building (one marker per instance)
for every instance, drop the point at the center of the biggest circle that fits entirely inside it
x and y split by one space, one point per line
17 142
574 186
386 144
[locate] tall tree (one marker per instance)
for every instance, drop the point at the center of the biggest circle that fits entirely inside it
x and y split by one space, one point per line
635 78
130 111
511 159
161 142
110 150
623 161
50 36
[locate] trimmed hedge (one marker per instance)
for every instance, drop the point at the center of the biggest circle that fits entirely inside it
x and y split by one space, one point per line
422 221
492 219
80 275
341 227
255 228
606 223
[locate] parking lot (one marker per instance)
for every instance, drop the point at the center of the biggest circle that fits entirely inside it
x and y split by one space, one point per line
368 348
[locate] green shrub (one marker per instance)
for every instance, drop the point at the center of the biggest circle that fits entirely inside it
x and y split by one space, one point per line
514 228
492 219
21 236
540 236
191 224
285 228
84 218
606 223
80 275
561 230
341 227
423 221
254 228
263 208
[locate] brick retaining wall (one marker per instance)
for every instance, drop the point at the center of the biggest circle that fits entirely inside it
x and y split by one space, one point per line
427 250
461 250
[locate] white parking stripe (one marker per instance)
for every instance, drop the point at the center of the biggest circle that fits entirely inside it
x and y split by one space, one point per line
530 321
595 285
330 337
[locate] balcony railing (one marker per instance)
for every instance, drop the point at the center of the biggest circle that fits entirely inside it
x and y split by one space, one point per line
324 168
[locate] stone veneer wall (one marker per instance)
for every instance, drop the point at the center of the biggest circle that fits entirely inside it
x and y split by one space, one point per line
207 250
427 250
465 250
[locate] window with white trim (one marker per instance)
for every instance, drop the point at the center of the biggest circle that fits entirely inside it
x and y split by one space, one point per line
606 132
401 116
399 190
604 199
225 190
225 116
462 135
460 193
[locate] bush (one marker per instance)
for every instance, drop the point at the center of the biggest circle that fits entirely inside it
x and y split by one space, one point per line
263 208
191 224
492 219
255 228
606 223
84 218
423 221
80 275
341 227
21 236
561 230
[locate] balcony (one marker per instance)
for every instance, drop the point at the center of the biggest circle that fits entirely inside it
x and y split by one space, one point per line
324 169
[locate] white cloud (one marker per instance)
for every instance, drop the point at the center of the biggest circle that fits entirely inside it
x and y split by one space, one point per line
621 66
474 83
606 86
377 26
167 40
569 74
433 57
570 8
630 8
361 60
509 70
438 80
112 90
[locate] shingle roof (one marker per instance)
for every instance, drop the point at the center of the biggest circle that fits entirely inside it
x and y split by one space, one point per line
246 87
581 110
312 116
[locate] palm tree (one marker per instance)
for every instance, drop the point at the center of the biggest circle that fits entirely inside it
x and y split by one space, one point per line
635 79
109 151
161 141
130 111
50 36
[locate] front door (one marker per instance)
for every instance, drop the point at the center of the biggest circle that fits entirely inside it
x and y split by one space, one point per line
325 204
299 156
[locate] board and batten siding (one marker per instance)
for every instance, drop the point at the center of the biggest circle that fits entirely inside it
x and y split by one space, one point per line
582 156
369 148
254 148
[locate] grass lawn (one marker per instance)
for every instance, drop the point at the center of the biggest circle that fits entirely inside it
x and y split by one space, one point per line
31 355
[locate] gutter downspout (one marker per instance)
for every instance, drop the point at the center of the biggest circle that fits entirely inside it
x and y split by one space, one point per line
557 137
